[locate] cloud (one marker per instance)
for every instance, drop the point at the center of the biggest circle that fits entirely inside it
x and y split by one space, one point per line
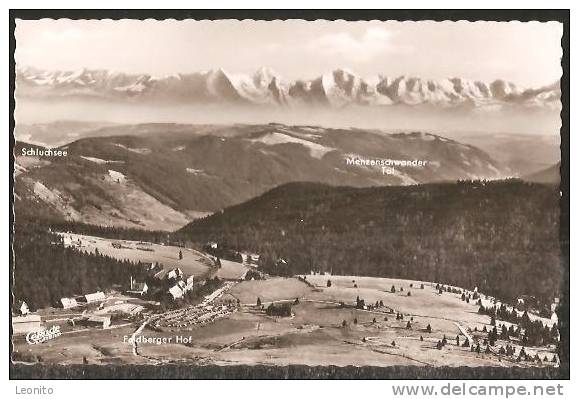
372 43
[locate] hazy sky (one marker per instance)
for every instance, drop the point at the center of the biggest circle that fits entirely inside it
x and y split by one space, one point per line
525 53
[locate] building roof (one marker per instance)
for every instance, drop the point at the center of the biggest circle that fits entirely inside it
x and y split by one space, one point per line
95 296
176 291
68 301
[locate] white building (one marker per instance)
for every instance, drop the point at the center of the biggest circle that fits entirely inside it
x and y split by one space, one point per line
138 288
68 303
175 274
95 297
22 308
189 283
175 292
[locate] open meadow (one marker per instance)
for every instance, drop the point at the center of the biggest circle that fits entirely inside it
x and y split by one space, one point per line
193 262
325 328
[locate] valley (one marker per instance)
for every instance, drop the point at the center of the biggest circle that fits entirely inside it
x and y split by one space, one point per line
301 251
327 327
162 176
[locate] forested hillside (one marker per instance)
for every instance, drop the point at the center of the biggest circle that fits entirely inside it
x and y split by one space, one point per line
499 236
45 271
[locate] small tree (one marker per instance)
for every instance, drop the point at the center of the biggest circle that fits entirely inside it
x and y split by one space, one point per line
258 303
421 338
180 255
408 325
355 320
409 294
344 323
393 289
429 328
329 284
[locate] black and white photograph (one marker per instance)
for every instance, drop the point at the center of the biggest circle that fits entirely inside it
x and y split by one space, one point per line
322 193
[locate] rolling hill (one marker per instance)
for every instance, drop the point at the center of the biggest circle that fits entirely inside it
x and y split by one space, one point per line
550 175
502 237
161 176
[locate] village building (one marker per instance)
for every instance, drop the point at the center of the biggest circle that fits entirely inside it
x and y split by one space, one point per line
175 274
137 288
95 297
189 283
25 324
175 292
98 321
68 303
22 308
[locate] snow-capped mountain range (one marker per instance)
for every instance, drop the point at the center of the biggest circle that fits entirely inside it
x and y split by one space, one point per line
338 88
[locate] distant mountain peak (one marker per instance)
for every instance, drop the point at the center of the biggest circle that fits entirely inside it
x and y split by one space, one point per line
336 88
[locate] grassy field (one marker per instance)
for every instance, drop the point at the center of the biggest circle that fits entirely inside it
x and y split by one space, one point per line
193 262
274 289
320 331
231 270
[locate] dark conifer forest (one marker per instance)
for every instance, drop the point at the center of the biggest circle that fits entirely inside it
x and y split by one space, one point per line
502 237
45 271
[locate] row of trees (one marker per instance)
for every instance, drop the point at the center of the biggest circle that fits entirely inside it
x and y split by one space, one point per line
530 332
